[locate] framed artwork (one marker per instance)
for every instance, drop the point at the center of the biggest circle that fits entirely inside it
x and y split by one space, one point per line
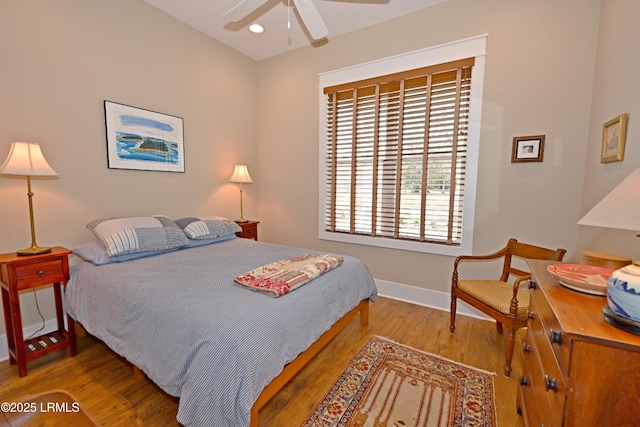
613 136
143 140
527 149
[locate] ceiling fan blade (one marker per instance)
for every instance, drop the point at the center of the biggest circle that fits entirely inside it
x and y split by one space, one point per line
311 18
243 8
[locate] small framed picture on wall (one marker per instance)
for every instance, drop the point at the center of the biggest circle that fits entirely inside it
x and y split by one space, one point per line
613 136
527 149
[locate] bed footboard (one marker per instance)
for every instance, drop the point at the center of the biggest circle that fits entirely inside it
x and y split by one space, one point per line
291 369
138 374
303 358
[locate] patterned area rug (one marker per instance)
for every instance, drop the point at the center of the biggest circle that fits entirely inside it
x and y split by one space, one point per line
391 385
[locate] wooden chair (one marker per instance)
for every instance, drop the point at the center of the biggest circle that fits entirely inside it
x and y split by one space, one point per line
500 299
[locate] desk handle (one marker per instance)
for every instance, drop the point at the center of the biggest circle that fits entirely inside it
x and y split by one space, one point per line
41 273
550 383
556 336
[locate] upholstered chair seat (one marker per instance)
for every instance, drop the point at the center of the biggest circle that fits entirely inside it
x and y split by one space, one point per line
495 294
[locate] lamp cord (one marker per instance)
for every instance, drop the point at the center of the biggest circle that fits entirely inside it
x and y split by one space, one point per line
35 296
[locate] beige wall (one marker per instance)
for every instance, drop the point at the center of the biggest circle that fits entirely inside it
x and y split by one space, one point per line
60 60
615 91
531 87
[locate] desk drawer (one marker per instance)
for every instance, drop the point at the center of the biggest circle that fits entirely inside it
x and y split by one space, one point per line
36 274
529 405
560 344
547 379
537 407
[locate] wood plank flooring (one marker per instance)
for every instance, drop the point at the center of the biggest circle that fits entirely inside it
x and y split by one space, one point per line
103 382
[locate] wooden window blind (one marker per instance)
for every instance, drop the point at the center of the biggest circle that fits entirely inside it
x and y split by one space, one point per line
396 154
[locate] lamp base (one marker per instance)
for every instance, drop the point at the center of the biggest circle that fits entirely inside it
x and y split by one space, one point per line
241 220
33 250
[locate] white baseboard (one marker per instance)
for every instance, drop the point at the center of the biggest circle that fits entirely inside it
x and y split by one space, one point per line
49 326
410 294
426 298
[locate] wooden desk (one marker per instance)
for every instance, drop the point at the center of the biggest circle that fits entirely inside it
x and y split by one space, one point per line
27 272
579 370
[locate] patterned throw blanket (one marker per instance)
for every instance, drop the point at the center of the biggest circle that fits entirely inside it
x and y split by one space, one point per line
281 277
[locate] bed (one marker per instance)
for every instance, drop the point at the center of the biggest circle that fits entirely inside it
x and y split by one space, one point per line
224 350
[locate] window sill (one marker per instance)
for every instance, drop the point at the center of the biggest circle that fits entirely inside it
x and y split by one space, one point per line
406 245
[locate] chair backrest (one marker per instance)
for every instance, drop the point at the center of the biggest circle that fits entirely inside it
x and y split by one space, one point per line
526 251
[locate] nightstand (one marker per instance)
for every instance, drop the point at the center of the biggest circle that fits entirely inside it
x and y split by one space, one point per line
249 230
27 272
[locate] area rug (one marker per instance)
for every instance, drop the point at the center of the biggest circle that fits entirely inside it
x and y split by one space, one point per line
388 384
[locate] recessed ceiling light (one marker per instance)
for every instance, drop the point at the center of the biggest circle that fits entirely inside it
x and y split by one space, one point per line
256 28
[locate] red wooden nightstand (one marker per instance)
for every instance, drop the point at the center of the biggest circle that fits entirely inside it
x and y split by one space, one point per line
27 272
249 230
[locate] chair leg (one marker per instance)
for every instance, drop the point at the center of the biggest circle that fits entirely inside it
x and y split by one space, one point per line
452 323
510 345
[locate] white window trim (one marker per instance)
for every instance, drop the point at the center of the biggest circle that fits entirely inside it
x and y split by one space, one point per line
471 47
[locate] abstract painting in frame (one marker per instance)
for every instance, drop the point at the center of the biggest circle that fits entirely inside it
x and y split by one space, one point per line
613 138
527 149
140 139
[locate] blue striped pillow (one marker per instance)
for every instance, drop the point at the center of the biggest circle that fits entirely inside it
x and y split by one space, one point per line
207 227
127 235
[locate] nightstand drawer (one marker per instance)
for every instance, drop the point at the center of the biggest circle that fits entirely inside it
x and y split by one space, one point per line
36 274
249 230
249 233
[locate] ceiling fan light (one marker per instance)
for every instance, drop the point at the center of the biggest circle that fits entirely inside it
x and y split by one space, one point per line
256 28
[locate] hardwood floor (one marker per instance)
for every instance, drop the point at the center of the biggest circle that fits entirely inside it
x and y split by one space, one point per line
103 382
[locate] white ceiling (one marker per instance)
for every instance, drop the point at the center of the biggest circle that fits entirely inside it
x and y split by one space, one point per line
340 16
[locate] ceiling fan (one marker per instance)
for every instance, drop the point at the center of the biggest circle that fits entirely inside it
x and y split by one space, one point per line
306 9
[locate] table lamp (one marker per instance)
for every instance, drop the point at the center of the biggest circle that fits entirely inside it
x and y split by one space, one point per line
241 176
618 209
26 158
621 209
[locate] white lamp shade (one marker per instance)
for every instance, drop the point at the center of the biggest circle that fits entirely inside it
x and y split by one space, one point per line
26 158
241 175
620 208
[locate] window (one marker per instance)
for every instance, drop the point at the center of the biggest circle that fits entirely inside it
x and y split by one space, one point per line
397 156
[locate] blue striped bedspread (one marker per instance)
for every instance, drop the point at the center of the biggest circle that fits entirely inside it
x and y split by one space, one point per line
179 317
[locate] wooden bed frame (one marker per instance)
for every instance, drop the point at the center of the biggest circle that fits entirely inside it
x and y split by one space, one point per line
292 368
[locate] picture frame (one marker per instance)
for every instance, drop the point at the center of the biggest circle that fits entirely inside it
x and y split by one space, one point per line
613 139
140 139
527 148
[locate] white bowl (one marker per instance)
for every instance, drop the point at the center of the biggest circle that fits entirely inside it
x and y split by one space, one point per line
623 292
